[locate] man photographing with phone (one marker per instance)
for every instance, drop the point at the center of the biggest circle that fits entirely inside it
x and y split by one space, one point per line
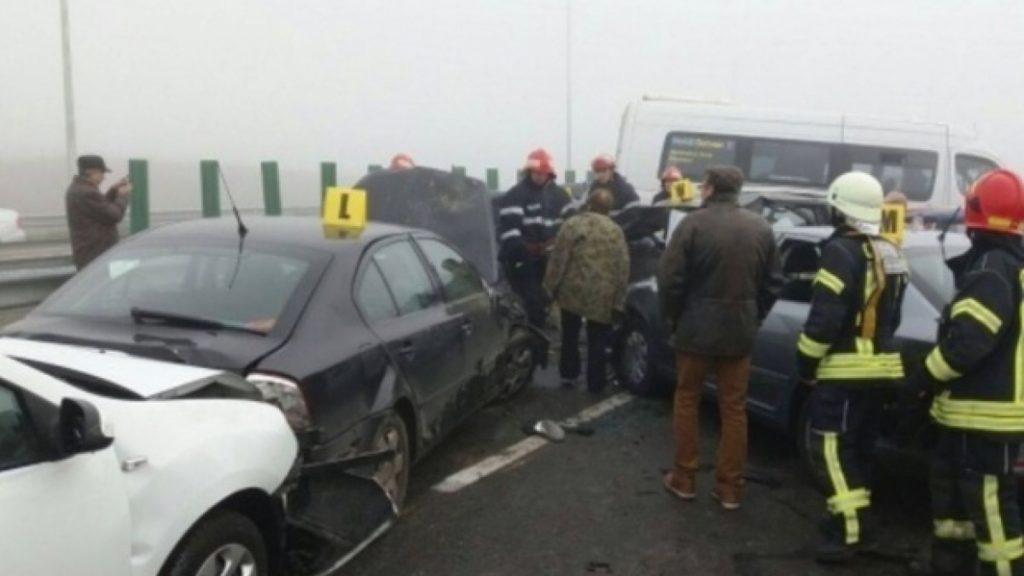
92 216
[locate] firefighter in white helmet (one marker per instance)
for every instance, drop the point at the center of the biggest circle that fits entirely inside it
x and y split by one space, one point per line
846 355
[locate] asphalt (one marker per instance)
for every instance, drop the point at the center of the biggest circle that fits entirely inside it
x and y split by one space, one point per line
595 505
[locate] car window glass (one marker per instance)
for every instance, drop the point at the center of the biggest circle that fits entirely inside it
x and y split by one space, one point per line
374 297
782 162
17 439
970 168
909 171
799 265
458 278
404 273
250 288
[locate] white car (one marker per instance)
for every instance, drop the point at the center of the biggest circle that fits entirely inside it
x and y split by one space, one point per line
10 227
113 465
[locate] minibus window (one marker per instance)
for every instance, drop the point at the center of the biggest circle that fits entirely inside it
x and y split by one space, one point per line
789 162
909 171
970 168
693 154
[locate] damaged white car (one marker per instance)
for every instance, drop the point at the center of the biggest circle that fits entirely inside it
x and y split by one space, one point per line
114 465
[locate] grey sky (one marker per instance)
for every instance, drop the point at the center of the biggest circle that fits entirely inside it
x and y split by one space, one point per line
475 82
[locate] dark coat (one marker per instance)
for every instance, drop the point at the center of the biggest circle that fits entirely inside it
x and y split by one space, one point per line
92 219
718 279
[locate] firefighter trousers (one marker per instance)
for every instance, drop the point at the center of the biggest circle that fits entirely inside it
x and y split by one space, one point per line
844 428
974 506
527 280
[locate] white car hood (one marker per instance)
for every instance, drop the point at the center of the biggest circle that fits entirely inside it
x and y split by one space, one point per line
144 377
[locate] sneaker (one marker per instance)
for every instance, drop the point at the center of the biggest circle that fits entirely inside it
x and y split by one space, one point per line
687 495
832 552
569 383
726 503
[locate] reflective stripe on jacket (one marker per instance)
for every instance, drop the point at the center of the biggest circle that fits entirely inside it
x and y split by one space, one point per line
979 357
855 310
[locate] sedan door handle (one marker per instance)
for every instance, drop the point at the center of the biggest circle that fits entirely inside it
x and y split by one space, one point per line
467 328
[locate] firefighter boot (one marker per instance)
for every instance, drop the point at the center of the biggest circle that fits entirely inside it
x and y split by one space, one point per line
947 559
834 549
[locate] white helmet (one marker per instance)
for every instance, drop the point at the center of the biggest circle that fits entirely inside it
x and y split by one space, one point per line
858 196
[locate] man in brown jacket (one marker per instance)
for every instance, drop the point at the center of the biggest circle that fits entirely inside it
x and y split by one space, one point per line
717 280
588 274
92 216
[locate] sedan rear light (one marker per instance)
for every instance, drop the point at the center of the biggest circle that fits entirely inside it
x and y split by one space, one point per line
286 395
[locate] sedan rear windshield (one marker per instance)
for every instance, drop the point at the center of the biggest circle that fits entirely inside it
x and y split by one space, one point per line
249 290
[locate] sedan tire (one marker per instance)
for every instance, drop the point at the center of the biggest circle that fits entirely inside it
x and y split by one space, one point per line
634 359
520 364
223 544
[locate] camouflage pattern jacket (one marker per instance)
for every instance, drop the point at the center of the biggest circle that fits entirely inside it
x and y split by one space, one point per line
588 272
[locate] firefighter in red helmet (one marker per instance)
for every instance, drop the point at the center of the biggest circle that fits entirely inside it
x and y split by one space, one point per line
401 162
975 371
530 214
625 196
670 176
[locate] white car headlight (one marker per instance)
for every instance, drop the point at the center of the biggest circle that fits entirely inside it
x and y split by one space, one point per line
286 395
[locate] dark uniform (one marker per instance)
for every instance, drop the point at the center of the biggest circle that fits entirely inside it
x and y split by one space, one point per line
847 348
529 219
623 193
978 365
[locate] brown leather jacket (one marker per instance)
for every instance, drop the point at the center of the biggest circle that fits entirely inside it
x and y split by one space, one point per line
92 219
718 279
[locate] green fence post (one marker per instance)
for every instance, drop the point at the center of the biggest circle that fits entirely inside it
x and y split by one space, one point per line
374 168
493 183
271 188
459 171
138 173
590 176
209 178
570 177
328 179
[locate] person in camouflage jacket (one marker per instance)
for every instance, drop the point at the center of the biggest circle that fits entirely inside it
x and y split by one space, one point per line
587 276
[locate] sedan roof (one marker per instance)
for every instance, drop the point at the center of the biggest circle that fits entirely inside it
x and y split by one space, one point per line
296 231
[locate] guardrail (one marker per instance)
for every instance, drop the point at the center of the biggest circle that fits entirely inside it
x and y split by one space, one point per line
30 272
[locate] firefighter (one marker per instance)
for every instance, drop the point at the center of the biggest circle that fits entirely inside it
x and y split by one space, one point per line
670 176
846 353
530 214
401 161
625 196
976 373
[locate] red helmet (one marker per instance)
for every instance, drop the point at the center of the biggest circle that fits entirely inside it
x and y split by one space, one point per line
671 174
401 162
540 161
996 202
602 162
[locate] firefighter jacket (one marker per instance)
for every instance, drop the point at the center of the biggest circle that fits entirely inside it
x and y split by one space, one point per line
855 310
979 358
529 219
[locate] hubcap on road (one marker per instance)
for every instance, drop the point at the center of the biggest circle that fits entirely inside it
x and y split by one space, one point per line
519 370
229 560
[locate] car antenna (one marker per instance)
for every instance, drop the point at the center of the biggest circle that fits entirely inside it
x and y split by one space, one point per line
242 230
945 228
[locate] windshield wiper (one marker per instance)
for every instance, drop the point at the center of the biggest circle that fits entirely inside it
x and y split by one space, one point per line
141 315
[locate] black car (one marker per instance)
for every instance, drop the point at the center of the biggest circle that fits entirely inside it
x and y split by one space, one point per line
377 342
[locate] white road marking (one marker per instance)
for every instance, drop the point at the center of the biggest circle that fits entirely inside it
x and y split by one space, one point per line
524 448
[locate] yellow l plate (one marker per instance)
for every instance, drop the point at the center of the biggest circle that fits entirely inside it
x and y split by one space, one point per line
894 222
344 211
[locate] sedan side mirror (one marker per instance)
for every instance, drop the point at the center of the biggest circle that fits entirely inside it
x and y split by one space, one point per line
79 428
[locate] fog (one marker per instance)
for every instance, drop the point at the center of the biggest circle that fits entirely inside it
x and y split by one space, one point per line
464 82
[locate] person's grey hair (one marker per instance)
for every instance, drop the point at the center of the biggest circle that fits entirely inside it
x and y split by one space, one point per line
601 201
